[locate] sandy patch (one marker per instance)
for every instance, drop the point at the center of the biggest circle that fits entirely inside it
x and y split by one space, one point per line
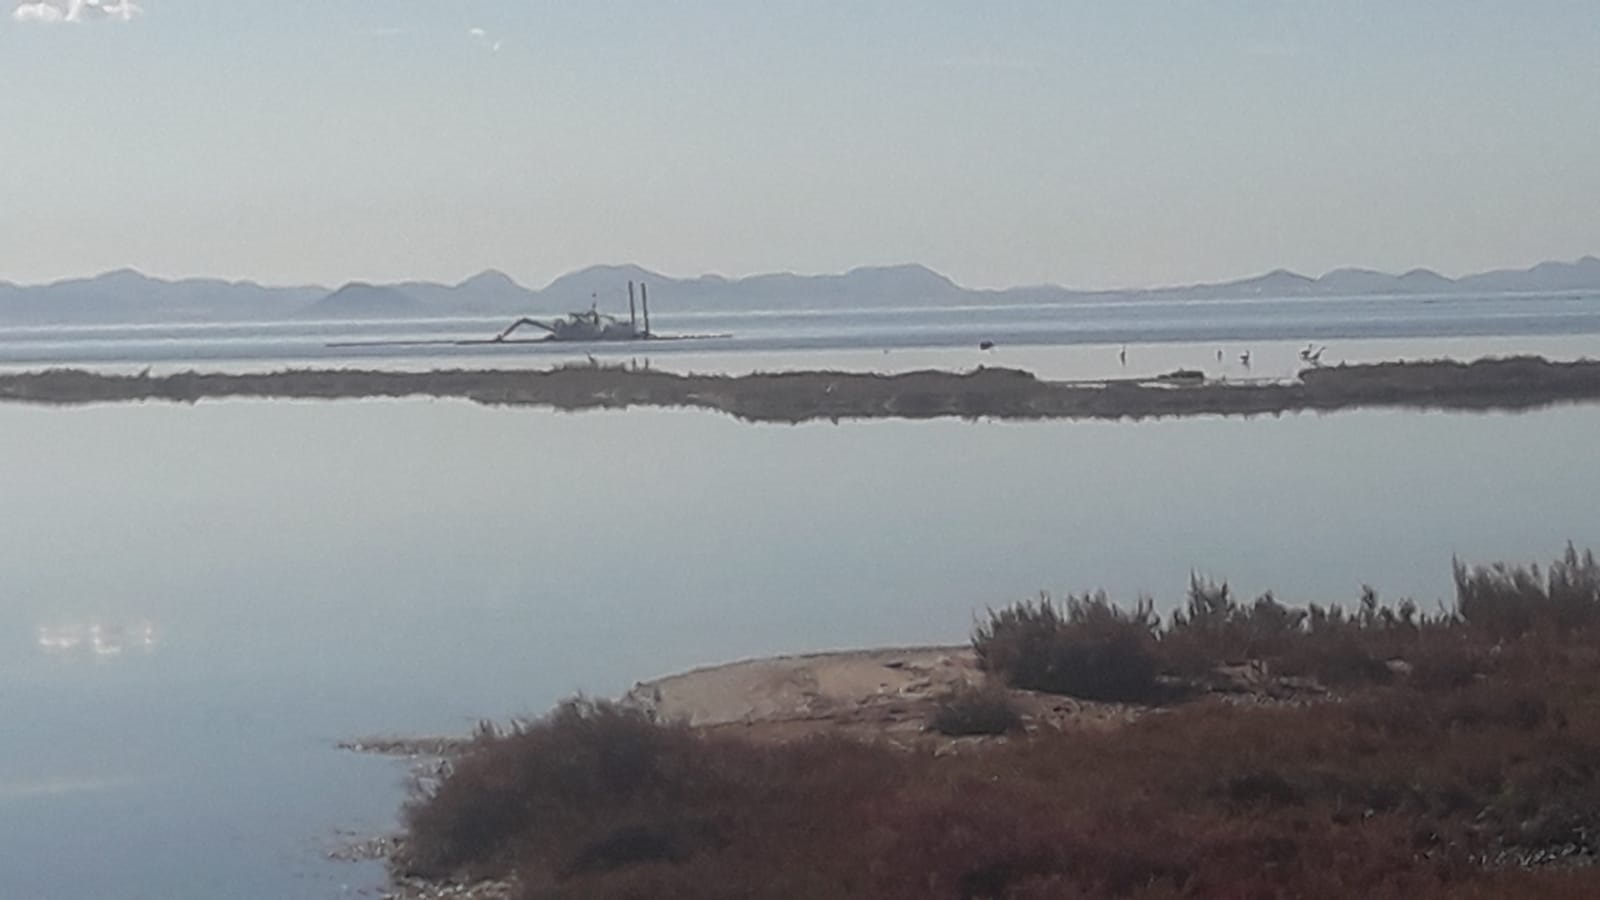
816 686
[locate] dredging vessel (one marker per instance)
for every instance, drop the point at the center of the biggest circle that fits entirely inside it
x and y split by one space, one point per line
592 325
587 326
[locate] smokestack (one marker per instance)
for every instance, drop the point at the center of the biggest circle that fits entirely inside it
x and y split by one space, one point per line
644 301
633 316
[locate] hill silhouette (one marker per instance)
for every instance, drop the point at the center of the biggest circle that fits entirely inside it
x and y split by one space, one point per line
126 295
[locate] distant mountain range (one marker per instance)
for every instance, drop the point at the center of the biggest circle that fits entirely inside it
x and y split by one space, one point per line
129 296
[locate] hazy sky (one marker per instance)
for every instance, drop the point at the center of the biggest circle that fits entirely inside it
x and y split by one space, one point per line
1086 143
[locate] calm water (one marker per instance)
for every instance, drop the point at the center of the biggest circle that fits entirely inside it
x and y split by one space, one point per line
268 578
854 337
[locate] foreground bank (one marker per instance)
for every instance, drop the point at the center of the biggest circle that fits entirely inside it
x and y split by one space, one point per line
1513 383
1075 749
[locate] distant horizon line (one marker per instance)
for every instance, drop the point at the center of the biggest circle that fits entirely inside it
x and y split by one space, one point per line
645 271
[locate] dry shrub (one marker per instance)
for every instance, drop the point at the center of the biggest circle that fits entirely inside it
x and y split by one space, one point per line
1449 781
1214 629
1089 647
975 711
1086 647
1448 659
1393 793
536 781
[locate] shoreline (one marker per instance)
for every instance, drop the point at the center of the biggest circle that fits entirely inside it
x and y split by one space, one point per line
831 686
1513 383
877 694
882 696
1078 730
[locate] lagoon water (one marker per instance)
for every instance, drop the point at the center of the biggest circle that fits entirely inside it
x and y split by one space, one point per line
198 602
882 339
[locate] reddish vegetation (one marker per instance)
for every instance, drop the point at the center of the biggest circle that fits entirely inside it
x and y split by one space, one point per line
1461 759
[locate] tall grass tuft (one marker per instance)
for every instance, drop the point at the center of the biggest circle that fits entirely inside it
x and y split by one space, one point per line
1085 646
1509 601
1214 629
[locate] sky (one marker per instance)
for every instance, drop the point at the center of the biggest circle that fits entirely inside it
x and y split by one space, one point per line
1090 144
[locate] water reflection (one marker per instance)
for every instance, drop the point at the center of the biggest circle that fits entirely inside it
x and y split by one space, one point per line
96 639
59 786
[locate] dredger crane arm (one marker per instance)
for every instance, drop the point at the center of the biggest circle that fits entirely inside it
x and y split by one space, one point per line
521 322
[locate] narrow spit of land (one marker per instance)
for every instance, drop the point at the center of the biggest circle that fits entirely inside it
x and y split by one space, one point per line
994 393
